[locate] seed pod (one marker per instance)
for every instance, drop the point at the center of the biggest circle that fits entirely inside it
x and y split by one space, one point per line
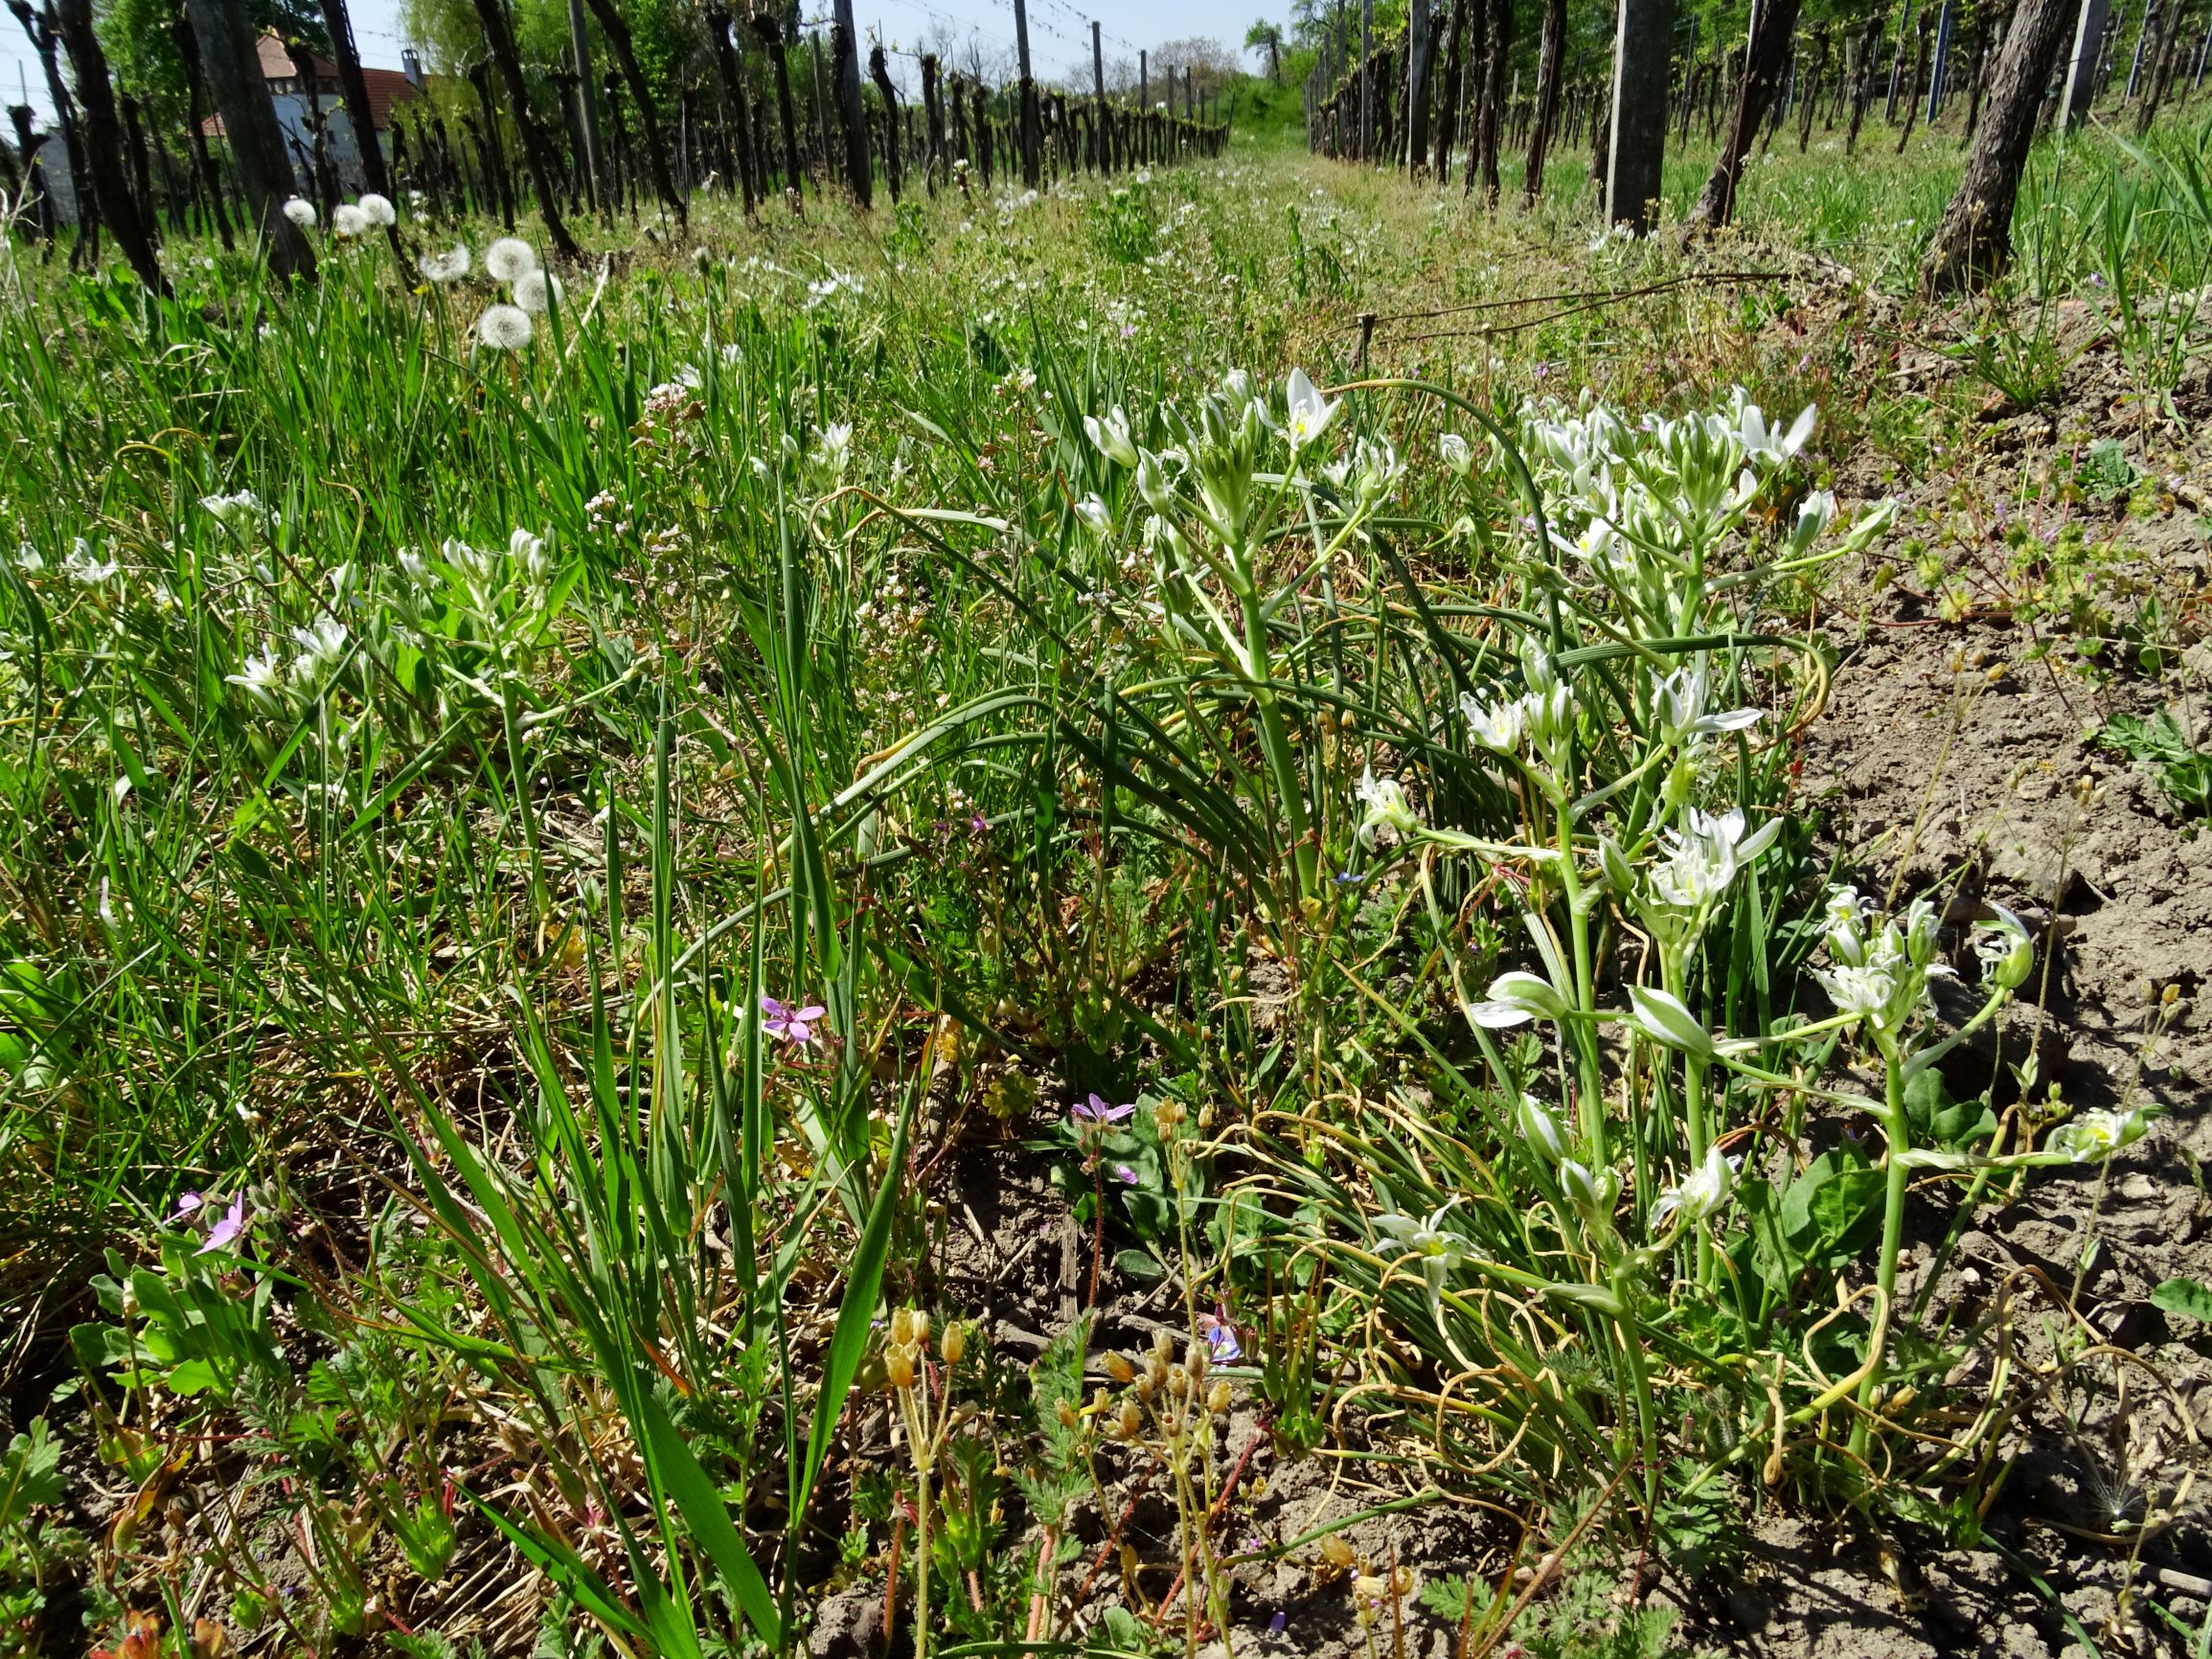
1194 1360
1218 1398
899 1366
920 1324
902 1325
1163 1346
1178 1382
1336 1552
1120 1370
955 1343
1131 1420
1067 1416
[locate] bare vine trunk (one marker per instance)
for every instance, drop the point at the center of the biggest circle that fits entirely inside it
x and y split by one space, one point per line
1551 59
730 72
1765 62
1975 239
493 14
770 34
232 71
111 182
620 47
355 86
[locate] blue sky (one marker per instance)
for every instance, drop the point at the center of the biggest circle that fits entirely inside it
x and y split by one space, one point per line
1059 31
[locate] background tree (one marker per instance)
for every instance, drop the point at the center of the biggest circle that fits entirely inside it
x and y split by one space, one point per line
1265 36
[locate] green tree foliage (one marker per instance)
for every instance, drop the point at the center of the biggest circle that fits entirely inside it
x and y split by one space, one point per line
670 37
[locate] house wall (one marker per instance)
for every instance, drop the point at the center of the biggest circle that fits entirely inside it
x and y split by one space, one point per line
299 141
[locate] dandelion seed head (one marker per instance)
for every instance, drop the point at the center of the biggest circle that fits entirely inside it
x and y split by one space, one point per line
300 212
537 290
444 268
378 209
504 328
350 222
509 260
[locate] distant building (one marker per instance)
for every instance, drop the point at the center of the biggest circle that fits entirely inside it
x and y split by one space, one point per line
388 90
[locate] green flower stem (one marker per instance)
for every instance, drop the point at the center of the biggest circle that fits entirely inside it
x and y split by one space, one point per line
1899 1135
1592 1104
1640 1379
921 1561
1276 739
1696 1131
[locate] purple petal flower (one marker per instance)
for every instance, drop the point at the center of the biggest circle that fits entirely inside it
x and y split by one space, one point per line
186 1204
225 1232
1125 1175
1220 1335
1276 1623
1097 1113
792 1025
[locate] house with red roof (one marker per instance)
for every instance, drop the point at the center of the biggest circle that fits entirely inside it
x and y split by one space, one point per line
300 98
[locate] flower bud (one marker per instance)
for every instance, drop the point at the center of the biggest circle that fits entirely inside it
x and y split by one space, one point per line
1541 1130
1111 435
1131 1420
2007 953
1118 1367
920 1326
1218 1396
1194 1360
1458 453
1154 486
955 1343
1591 1191
901 1326
899 1367
1066 1415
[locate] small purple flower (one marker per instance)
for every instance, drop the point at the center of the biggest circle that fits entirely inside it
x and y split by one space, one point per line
225 1232
1276 1623
186 1204
1123 1173
790 1025
1095 1114
1220 1335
